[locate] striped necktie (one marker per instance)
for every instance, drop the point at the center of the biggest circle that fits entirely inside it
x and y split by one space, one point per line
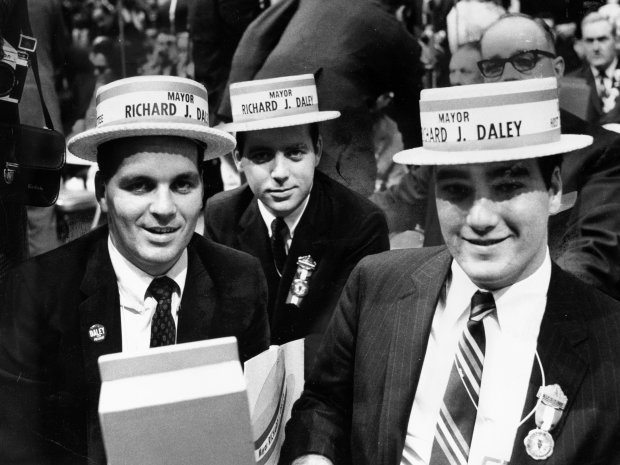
457 416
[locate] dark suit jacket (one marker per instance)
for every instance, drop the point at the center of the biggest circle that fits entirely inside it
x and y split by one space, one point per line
49 379
356 404
584 240
337 229
595 110
363 52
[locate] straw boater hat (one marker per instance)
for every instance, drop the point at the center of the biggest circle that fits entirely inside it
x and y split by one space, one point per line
152 106
491 122
275 103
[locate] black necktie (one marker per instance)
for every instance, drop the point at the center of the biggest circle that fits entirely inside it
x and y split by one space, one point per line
603 91
279 235
163 330
457 416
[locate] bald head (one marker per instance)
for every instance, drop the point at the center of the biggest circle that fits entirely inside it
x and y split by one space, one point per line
515 33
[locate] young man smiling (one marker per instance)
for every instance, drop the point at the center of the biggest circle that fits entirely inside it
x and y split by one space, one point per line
307 230
144 280
438 355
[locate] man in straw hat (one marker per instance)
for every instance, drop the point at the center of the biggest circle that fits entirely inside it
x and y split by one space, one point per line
307 230
584 238
122 287
482 351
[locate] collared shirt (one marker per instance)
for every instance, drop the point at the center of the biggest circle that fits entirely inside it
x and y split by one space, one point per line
138 306
291 220
511 336
608 81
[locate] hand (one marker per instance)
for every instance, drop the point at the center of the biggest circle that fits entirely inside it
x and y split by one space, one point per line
312 459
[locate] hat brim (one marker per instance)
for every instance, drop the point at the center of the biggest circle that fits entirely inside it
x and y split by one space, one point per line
423 156
84 145
280 122
71 159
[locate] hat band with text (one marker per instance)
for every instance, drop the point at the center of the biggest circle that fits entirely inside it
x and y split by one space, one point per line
273 99
491 122
150 101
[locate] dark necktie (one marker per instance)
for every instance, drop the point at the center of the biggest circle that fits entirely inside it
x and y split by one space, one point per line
457 417
603 91
163 330
279 235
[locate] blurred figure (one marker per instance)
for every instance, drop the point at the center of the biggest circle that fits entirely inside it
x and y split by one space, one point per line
600 68
48 27
405 203
216 27
464 65
185 64
358 51
468 19
105 60
163 60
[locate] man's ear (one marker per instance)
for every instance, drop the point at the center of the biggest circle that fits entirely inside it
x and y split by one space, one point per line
100 192
237 159
319 151
559 66
555 191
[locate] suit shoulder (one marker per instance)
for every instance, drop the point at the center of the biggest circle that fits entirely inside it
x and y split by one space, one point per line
62 268
398 261
345 199
226 258
223 201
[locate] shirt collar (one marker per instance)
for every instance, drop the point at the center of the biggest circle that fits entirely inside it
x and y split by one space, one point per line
609 71
133 282
291 220
520 307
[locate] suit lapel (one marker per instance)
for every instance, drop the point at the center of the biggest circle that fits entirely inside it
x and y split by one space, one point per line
410 332
597 106
101 306
198 303
309 236
561 352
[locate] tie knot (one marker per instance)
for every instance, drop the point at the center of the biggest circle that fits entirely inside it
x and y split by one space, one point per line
162 288
482 304
279 228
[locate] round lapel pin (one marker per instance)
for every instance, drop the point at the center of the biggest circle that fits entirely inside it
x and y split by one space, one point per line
96 332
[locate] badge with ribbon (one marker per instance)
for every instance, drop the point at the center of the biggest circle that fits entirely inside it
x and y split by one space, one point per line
552 401
301 282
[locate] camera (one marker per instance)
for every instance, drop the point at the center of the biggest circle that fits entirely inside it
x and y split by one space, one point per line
13 68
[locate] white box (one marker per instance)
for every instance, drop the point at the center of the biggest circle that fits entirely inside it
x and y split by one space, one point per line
179 404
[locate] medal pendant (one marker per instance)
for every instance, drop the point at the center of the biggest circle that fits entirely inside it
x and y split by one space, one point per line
539 444
301 285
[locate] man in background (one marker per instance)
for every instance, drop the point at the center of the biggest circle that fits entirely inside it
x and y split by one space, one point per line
598 37
307 230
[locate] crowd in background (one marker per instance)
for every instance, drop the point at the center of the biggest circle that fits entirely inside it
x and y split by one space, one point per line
99 41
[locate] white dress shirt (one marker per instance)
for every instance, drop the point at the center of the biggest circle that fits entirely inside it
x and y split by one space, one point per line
291 220
138 307
511 336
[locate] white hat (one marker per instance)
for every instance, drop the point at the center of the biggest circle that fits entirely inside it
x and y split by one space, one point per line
491 122
152 106
275 103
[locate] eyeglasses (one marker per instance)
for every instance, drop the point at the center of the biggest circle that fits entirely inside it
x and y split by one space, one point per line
522 62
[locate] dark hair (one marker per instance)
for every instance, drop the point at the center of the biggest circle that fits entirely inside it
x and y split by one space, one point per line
109 160
547 165
314 136
109 49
